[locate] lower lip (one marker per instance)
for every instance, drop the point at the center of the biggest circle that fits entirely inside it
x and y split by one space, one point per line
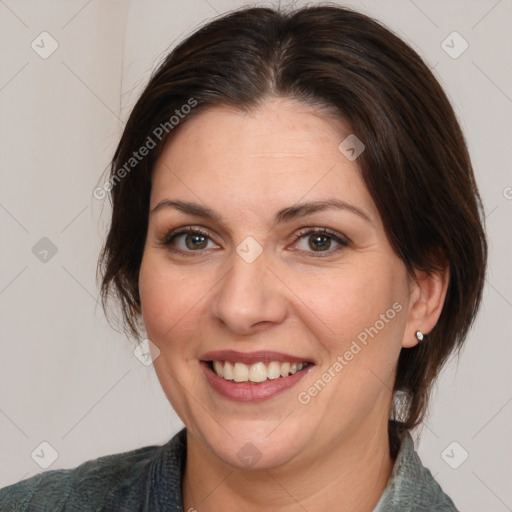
251 392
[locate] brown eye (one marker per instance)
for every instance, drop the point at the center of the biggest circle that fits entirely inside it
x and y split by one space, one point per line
196 241
320 241
188 240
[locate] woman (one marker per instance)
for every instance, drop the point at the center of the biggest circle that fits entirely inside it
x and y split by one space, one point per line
297 229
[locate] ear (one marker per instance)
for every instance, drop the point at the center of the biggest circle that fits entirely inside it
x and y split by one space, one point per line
428 293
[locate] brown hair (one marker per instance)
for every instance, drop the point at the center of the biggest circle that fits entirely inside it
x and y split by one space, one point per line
416 165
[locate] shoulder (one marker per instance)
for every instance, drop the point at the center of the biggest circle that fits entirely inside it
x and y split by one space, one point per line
113 482
412 488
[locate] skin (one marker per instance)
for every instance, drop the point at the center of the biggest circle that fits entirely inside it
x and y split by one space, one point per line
331 453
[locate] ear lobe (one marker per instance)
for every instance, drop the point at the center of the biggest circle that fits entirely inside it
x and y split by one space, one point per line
428 295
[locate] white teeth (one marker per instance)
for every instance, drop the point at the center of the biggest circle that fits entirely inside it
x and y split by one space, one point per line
285 369
217 365
228 371
241 372
274 370
257 372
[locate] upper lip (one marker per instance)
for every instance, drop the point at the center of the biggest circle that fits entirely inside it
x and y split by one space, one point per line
234 356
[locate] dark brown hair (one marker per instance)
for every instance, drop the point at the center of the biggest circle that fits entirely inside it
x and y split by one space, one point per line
416 165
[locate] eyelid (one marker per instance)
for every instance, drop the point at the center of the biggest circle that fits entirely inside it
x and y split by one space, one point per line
342 240
339 238
167 240
168 237
327 231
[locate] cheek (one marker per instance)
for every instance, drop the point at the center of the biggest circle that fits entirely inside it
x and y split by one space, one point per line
359 322
348 303
170 301
172 311
359 318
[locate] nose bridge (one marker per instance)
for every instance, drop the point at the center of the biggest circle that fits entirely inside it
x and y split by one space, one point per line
249 294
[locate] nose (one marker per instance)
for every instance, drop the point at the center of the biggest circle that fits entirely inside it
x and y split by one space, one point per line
249 297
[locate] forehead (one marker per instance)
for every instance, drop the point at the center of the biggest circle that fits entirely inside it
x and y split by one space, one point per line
279 153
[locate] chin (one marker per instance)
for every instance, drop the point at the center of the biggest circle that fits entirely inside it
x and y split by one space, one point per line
253 445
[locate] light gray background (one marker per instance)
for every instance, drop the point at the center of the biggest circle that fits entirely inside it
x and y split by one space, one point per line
65 376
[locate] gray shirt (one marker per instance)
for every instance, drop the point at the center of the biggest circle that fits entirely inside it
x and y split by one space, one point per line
149 479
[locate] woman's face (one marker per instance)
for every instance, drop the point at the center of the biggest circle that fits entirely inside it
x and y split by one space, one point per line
286 262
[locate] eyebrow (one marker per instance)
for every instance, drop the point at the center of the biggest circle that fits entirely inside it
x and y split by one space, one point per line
284 215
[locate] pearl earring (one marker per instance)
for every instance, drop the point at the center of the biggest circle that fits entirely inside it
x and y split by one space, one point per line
420 336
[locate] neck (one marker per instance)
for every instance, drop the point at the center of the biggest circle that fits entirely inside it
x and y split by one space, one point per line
350 475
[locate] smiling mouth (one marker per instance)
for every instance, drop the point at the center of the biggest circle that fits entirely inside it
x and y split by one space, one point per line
255 373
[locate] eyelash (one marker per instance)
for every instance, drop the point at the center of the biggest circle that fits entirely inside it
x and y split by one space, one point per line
303 233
